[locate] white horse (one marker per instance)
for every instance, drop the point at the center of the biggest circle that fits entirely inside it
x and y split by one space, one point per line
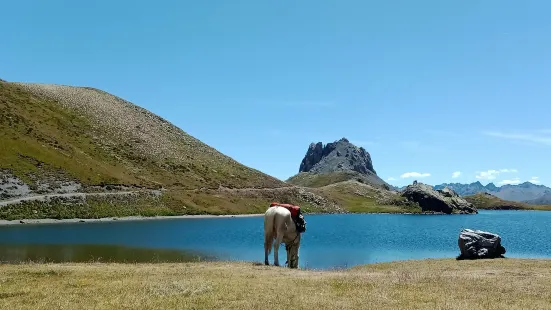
279 225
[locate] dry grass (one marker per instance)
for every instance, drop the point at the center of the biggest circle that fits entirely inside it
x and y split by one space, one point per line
429 284
93 136
357 197
307 179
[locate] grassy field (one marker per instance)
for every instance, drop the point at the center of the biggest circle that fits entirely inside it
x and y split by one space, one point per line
428 284
489 202
307 179
320 180
356 197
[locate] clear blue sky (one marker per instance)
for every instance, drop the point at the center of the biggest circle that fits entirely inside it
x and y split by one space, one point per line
431 87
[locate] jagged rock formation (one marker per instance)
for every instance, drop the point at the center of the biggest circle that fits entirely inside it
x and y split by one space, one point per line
440 201
476 244
340 155
336 162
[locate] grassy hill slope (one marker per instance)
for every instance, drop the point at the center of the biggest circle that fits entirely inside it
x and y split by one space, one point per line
63 139
358 197
97 137
76 139
491 202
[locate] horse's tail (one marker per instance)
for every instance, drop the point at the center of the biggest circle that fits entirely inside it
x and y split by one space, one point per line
269 222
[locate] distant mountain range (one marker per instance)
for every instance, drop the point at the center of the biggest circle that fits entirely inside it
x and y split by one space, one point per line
543 200
525 192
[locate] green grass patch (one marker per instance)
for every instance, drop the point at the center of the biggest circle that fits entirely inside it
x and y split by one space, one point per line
92 207
360 198
485 201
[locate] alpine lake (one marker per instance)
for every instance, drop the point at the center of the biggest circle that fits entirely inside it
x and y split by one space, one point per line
330 241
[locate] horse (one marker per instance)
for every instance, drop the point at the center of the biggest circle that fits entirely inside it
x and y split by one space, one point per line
279 226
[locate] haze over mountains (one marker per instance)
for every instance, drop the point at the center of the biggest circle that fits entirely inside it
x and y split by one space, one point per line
524 192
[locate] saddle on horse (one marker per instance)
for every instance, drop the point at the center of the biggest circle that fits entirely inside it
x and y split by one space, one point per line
296 215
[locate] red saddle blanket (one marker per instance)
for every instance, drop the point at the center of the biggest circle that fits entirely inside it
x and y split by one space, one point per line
295 210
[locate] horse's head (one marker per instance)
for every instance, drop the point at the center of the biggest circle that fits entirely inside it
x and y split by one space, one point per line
292 252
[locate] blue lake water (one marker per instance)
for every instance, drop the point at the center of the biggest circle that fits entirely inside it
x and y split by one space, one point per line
331 241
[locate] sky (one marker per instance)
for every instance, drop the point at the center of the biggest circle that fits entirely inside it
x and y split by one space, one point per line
436 91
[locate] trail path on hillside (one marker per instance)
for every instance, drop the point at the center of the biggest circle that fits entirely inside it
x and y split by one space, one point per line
83 195
68 195
242 189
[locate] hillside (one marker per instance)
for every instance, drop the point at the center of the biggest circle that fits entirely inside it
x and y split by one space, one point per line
63 139
490 202
83 129
358 197
79 152
523 192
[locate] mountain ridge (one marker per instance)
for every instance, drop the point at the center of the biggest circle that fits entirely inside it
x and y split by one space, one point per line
523 192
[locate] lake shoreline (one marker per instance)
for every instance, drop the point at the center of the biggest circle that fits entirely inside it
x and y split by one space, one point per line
119 219
147 218
193 216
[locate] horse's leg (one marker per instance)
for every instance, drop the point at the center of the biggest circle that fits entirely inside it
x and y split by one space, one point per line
280 228
268 236
288 254
267 246
277 244
268 240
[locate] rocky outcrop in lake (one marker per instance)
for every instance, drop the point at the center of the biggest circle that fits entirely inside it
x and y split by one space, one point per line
476 244
439 201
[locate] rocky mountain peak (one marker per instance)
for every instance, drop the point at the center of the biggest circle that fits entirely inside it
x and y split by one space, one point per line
491 187
337 156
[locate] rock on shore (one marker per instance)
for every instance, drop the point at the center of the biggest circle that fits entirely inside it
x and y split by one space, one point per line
475 244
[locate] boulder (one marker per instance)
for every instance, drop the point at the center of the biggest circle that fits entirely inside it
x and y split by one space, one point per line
440 201
477 244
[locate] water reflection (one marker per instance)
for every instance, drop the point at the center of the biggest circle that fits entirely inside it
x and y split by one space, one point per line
59 253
